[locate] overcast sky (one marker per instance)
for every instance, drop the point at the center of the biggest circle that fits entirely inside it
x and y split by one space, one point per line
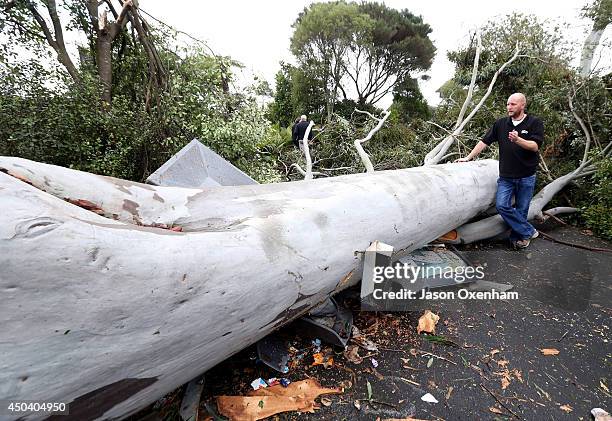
257 33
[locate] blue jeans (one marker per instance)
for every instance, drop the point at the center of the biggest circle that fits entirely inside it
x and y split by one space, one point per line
516 217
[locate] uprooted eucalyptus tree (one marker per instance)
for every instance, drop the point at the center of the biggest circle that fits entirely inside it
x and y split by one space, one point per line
117 292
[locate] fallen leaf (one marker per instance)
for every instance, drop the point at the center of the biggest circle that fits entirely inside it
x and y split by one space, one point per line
505 383
352 354
326 401
493 352
448 394
502 363
600 414
430 362
265 402
427 322
549 351
325 360
495 410
566 408
357 405
428 397
603 386
346 384
517 373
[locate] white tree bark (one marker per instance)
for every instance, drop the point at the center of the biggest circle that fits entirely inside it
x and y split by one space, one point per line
439 151
588 51
111 316
367 163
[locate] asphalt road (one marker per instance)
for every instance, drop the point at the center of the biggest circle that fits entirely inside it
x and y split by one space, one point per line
498 371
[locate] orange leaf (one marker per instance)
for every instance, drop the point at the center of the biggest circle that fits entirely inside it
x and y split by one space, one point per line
427 322
549 351
566 408
495 410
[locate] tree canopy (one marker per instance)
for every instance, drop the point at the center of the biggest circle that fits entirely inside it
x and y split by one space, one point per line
362 49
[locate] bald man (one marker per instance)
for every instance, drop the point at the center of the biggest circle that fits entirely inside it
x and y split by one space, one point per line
519 136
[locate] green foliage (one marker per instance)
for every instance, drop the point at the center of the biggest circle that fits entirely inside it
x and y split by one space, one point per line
408 102
367 47
597 212
281 110
547 79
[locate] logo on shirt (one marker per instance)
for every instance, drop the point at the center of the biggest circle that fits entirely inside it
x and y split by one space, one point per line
524 132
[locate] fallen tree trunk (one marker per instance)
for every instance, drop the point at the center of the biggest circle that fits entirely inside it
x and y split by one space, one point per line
110 316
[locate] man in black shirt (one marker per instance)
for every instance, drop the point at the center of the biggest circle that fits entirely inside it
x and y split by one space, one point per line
519 136
299 130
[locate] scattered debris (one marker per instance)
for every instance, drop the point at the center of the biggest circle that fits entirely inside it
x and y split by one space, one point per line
496 410
567 408
352 354
440 340
374 363
273 381
428 397
190 404
362 341
357 405
272 351
549 351
258 383
265 402
326 401
325 360
428 322
448 394
601 415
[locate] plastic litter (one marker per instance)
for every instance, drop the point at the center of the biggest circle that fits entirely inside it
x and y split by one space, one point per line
374 363
428 397
258 383
273 381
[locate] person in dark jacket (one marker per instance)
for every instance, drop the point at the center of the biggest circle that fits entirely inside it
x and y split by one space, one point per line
299 130
519 137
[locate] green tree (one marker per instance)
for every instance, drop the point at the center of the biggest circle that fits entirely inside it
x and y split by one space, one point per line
367 49
408 101
324 33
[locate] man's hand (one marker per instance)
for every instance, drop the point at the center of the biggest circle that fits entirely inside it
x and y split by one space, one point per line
513 136
466 159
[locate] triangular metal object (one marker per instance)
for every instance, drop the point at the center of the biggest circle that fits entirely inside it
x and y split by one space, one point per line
197 166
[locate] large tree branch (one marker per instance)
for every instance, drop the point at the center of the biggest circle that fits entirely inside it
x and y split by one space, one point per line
468 98
434 156
56 43
359 142
587 135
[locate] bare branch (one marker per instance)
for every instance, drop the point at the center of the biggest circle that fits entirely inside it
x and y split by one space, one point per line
468 98
306 147
358 142
433 157
587 135
56 43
